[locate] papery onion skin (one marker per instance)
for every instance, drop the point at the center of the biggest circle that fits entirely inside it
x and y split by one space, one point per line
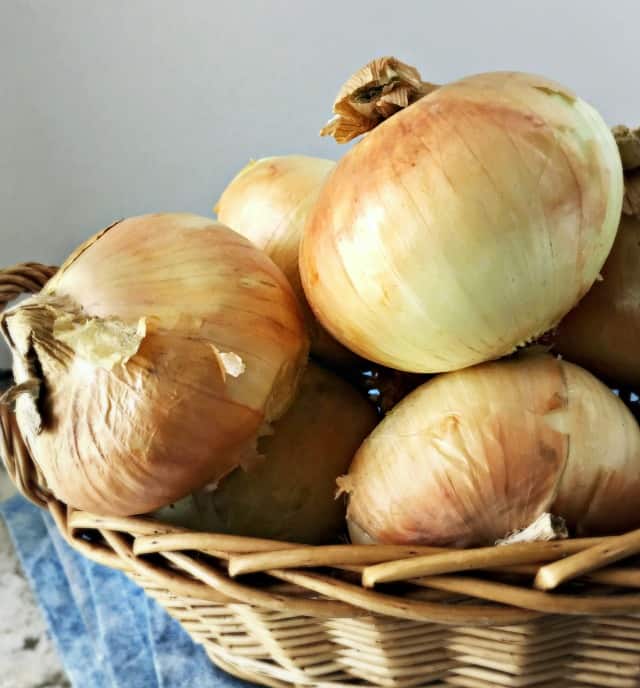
465 225
474 455
290 494
602 332
269 202
129 437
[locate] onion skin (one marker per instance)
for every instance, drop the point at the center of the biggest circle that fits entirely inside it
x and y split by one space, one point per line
128 437
465 225
269 202
602 332
474 455
290 495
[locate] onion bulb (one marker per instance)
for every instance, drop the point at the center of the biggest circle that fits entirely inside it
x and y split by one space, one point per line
268 202
474 455
290 494
466 224
602 332
150 363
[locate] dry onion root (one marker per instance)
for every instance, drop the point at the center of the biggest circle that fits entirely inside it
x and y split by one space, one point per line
269 202
474 455
151 362
466 224
290 494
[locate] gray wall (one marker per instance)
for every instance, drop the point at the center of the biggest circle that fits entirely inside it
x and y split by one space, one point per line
110 108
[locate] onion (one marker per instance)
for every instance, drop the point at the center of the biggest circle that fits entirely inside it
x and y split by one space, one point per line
268 202
466 224
474 455
150 363
290 495
603 330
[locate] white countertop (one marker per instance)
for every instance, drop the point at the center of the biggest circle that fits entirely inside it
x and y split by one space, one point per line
28 658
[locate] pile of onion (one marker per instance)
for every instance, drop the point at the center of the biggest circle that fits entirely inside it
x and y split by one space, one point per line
466 224
290 493
150 364
474 455
164 368
269 202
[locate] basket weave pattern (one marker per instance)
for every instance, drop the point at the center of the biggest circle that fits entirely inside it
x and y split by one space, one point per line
282 614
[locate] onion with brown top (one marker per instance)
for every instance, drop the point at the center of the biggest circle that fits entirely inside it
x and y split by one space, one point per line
149 365
464 225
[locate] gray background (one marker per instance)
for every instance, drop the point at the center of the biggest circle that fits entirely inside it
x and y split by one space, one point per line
112 108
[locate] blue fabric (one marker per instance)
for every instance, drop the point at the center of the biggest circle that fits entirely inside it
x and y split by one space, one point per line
178 660
74 566
108 633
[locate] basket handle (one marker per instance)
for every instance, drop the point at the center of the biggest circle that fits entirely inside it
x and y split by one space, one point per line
24 278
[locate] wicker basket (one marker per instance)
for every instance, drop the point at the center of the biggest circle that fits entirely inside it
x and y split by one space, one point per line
281 614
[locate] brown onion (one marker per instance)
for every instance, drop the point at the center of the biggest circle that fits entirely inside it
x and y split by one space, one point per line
290 494
151 362
474 455
466 224
269 202
602 332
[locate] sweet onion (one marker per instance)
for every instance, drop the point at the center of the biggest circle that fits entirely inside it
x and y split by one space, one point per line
289 494
474 455
463 226
269 202
151 362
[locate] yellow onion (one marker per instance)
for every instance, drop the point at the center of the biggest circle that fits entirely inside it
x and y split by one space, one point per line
474 455
152 360
466 224
268 202
290 494
602 332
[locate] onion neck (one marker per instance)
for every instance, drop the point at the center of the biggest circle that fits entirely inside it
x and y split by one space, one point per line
628 141
46 334
28 330
373 94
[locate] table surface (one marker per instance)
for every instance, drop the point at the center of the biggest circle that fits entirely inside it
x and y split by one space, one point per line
28 658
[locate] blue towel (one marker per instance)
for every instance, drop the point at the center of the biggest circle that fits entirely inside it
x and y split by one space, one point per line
108 633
